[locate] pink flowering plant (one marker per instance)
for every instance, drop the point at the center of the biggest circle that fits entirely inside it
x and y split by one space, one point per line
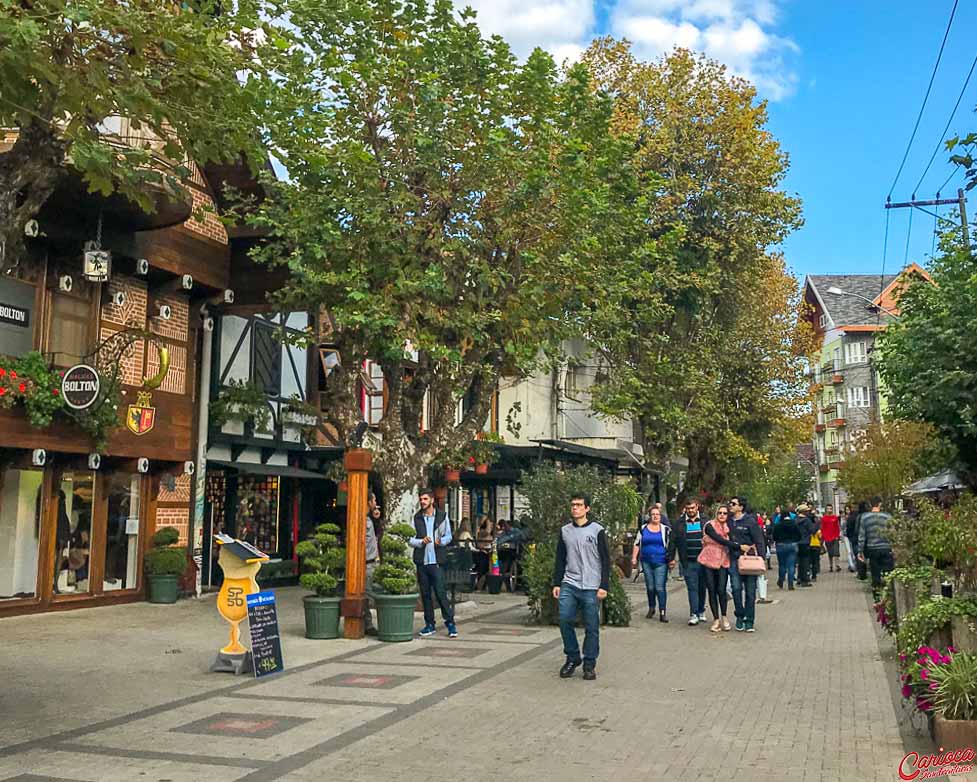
920 673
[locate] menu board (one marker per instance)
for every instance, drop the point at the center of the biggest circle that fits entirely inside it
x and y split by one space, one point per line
266 643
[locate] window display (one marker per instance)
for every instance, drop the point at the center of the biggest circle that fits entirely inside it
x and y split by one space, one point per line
20 494
74 532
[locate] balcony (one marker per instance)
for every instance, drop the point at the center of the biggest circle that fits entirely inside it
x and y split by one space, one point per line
73 210
837 380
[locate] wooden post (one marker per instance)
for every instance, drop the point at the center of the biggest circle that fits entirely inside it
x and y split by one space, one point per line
358 462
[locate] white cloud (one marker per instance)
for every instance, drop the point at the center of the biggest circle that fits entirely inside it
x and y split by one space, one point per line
735 32
738 33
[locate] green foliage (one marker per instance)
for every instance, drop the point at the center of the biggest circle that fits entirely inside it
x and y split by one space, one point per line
323 560
887 457
928 364
69 70
950 537
483 449
905 534
165 536
243 402
780 480
396 573
164 558
710 355
30 381
617 604
955 696
928 618
538 562
441 195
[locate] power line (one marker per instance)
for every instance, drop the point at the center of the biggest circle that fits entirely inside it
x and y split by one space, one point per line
939 143
925 97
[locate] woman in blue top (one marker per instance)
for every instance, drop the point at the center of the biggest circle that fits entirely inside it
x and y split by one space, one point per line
654 545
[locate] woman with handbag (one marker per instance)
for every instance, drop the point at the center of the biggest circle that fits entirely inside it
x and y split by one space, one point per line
714 558
656 548
747 562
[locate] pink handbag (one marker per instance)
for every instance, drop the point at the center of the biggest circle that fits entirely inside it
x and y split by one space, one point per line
713 555
751 564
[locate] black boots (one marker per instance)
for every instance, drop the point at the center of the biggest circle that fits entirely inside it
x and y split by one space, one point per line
663 618
568 668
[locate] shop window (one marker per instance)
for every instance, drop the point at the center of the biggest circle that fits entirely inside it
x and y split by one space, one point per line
71 328
20 515
74 532
257 511
122 531
266 365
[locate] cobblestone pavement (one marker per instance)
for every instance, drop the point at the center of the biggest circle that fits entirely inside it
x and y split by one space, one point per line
805 698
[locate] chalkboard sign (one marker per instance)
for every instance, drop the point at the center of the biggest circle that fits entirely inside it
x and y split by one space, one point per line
266 643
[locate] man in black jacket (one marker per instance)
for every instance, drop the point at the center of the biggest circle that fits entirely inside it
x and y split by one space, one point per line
688 540
432 532
808 525
744 530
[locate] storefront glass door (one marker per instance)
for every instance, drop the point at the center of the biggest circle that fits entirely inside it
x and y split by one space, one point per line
20 529
122 531
75 499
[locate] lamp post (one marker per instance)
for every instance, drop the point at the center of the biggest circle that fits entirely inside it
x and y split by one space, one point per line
834 290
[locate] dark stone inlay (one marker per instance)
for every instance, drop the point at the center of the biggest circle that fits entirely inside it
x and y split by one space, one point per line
518 632
249 726
366 681
448 652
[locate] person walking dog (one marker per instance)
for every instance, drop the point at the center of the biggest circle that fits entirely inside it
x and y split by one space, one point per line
581 580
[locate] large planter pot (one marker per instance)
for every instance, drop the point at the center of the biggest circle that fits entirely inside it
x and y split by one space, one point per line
905 598
955 734
321 616
964 633
481 469
452 476
162 589
395 616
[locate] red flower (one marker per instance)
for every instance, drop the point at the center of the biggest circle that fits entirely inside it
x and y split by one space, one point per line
22 387
2 390
13 375
2 371
54 391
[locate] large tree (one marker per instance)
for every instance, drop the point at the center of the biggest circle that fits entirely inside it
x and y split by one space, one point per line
441 198
710 357
928 364
68 68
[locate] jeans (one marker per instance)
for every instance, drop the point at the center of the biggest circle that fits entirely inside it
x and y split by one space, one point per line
585 601
716 585
744 609
371 568
656 577
695 584
786 562
430 579
880 562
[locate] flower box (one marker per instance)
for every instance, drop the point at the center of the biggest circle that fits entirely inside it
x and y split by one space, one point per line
955 734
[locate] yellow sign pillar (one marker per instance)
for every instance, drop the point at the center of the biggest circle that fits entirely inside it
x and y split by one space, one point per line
358 463
240 562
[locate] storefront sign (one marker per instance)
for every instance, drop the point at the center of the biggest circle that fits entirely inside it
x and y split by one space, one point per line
80 387
266 642
16 303
98 263
141 417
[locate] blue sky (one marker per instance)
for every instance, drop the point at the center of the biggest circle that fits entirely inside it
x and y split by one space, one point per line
845 79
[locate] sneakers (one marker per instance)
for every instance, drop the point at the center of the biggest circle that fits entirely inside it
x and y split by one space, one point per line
780 585
702 617
740 625
663 618
568 668
749 627
717 627
427 630
589 674
452 629
726 625
694 620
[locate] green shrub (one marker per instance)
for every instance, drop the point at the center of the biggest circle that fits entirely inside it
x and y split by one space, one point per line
165 536
166 562
955 696
617 605
921 623
396 574
323 560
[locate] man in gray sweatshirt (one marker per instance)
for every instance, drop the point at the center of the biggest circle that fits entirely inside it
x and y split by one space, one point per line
581 579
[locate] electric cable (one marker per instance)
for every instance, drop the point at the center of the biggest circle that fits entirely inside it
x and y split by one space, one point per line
956 105
929 87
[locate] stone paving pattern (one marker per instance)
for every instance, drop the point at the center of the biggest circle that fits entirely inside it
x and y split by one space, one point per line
805 698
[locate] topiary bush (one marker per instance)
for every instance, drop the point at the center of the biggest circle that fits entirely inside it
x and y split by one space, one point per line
164 558
323 560
396 574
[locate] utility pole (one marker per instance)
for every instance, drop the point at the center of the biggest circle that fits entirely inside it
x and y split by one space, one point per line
960 201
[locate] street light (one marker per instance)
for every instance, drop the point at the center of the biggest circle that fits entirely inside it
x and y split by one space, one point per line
834 290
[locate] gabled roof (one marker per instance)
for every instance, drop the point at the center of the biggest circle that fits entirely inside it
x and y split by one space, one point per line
850 310
891 289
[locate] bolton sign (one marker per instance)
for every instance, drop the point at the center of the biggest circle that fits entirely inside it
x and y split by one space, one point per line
80 387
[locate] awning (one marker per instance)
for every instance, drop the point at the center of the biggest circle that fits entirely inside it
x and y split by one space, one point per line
616 456
941 481
283 471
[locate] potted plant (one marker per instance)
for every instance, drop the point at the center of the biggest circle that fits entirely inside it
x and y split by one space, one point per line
165 562
451 462
954 696
483 451
323 560
395 586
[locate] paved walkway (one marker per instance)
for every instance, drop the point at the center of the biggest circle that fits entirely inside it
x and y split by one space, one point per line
122 694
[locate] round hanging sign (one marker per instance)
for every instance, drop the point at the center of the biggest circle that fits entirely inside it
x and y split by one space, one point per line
80 387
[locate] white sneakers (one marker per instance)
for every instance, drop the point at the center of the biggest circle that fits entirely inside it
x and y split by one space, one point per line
693 620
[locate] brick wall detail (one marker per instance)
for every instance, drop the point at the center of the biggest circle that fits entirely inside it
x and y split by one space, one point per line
209 224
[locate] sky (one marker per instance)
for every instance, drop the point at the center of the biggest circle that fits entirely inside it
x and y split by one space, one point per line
845 80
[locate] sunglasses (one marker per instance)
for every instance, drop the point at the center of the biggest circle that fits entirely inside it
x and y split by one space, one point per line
723 513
